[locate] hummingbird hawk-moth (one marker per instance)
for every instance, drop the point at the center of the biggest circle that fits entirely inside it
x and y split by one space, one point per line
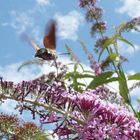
49 52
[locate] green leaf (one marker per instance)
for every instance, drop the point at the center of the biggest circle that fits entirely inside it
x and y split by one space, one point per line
88 71
84 75
101 79
80 84
120 27
75 67
138 115
107 43
136 76
126 41
81 66
112 57
123 87
77 75
68 75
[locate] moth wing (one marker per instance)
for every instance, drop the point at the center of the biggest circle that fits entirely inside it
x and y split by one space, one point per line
49 40
30 41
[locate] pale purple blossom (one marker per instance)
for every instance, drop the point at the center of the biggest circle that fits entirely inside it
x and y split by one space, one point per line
95 118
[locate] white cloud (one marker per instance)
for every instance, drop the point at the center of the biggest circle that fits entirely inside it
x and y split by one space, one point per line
8 107
51 135
21 21
131 72
130 7
68 24
9 72
26 20
43 2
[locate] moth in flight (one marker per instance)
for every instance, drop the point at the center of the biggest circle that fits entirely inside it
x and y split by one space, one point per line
49 52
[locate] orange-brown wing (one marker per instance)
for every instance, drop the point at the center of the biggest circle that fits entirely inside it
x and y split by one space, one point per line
49 40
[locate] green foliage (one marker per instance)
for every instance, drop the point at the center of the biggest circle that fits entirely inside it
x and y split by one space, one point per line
13 128
103 78
138 115
135 76
126 41
105 46
123 87
112 42
76 75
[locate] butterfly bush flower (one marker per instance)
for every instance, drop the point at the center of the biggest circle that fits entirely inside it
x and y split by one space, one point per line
133 24
98 27
83 3
94 15
96 66
84 115
93 63
100 43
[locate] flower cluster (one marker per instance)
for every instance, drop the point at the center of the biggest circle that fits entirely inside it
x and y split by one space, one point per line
100 43
96 66
84 3
75 115
93 63
98 27
94 15
133 24
14 129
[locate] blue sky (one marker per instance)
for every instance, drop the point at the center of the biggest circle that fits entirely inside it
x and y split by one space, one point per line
31 16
